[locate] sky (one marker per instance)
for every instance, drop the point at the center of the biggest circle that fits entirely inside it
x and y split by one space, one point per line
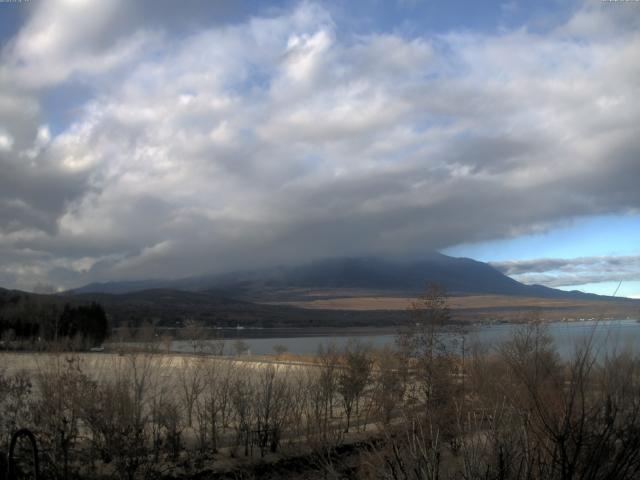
162 139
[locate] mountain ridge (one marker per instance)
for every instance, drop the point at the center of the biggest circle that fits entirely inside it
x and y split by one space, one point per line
348 291
457 276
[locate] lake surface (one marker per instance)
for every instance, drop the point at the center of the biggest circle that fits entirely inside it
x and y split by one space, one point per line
607 335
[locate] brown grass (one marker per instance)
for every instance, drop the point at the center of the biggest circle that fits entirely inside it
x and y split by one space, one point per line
364 303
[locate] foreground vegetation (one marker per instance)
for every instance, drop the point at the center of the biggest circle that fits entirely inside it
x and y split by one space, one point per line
429 408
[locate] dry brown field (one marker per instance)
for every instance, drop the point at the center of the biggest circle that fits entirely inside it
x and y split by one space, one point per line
463 302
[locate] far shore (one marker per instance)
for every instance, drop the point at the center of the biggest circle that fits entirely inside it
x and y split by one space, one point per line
251 332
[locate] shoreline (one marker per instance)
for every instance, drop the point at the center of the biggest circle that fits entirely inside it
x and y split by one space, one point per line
248 333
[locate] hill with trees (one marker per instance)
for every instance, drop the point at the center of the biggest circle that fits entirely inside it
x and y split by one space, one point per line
42 318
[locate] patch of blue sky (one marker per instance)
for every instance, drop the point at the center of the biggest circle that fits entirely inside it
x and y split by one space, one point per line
12 16
255 80
62 104
609 235
422 17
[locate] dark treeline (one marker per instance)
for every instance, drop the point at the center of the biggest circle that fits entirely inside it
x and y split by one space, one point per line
35 318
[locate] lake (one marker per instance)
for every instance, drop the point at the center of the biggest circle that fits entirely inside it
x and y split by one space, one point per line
607 335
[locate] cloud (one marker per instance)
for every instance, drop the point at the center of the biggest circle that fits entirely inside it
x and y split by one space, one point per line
595 19
258 139
69 37
557 272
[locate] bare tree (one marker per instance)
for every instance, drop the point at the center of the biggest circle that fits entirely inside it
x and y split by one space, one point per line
389 383
117 432
272 403
15 391
195 332
427 342
414 452
280 349
240 347
328 358
216 343
169 428
57 408
191 384
213 407
353 378
241 395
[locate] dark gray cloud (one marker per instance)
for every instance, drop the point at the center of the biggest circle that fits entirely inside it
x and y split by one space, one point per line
246 137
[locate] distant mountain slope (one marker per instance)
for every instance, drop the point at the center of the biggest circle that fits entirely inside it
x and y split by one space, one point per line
288 296
171 308
458 276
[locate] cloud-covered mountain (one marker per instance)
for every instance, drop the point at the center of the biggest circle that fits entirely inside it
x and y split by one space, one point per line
458 276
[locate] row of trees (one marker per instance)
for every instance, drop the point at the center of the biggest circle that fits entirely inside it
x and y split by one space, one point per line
130 415
26 319
513 411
